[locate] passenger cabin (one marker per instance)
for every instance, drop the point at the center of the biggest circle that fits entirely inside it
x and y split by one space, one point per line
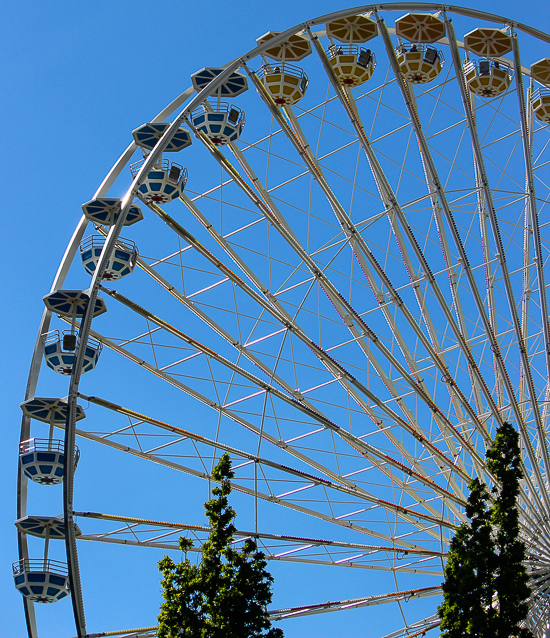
540 72
59 352
121 262
41 580
43 460
487 78
164 182
285 83
419 63
541 105
352 65
219 121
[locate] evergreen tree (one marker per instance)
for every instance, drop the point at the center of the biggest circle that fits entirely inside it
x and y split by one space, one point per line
459 573
467 588
486 585
226 595
511 579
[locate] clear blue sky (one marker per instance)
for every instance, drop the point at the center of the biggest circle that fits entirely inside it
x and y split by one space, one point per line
77 78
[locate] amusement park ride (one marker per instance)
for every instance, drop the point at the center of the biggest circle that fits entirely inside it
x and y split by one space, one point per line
352 295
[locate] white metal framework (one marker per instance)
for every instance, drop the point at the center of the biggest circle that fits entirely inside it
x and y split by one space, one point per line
348 297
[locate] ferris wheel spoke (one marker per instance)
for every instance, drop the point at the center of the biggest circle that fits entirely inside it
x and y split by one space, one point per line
490 277
383 461
346 520
532 224
390 200
356 389
139 527
124 536
315 168
355 238
420 628
527 276
527 445
435 181
139 632
341 481
163 535
438 198
367 601
371 565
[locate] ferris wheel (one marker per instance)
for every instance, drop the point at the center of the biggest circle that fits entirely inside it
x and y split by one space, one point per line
340 282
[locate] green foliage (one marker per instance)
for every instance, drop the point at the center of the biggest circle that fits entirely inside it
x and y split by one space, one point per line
486 584
226 595
467 610
511 580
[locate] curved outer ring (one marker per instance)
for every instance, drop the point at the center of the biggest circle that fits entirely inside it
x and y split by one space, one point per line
72 559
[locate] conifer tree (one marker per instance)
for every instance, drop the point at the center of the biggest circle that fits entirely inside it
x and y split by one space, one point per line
486 584
226 595
511 579
468 574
